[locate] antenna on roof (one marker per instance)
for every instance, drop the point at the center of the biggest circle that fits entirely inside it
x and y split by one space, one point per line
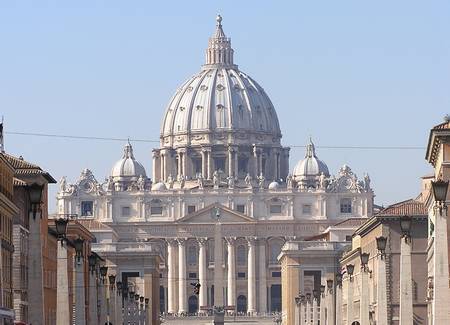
2 144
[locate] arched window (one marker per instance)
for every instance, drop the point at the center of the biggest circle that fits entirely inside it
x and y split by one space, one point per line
192 255
241 255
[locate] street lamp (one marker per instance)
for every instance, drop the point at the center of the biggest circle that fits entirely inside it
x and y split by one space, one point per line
339 278
119 287
92 260
78 243
61 228
35 196
322 289
147 300
440 188
381 245
364 260
405 226
103 272
330 284
112 281
350 268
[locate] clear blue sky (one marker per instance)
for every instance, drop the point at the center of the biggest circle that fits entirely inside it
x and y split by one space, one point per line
349 73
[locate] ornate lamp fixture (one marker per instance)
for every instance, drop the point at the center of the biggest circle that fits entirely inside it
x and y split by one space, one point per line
147 300
364 257
119 287
103 272
78 243
112 281
141 299
308 296
298 299
92 260
381 245
316 294
440 189
350 268
405 226
339 278
322 290
330 285
35 196
61 228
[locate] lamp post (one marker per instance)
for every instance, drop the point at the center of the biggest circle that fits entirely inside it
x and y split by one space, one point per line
381 282
338 298
406 301
93 288
102 294
316 297
364 301
62 276
297 307
308 308
80 310
322 304
440 307
350 268
119 302
35 267
329 316
112 299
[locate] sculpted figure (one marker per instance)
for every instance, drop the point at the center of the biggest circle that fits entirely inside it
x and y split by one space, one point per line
366 182
216 179
323 183
262 181
200 181
231 181
289 181
248 180
141 183
63 184
181 179
170 180
110 184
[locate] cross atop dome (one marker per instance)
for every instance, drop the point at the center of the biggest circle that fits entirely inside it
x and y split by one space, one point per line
310 149
219 51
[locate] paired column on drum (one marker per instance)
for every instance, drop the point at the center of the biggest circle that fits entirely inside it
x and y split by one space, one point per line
206 163
231 273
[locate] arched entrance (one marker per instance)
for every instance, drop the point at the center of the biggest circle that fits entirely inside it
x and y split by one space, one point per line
355 323
241 304
192 305
275 298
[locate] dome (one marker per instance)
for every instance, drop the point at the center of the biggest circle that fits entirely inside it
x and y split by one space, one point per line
160 186
310 166
127 168
274 185
220 104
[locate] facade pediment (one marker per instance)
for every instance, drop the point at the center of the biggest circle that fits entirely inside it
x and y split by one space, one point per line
210 214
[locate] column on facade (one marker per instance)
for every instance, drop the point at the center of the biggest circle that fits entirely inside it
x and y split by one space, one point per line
406 301
218 271
35 271
202 267
182 290
180 164
251 285
155 165
62 283
209 164
103 302
204 164
364 300
80 300
301 317
441 291
308 311
262 295
323 307
231 272
381 316
231 161
162 158
330 313
236 162
171 277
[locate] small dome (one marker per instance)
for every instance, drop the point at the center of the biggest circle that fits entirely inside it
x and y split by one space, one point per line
310 166
160 186
128 168
274 185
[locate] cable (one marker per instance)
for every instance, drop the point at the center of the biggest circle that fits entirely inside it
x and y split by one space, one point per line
65 136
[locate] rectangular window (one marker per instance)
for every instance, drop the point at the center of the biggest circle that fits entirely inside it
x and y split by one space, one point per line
276 274
191 209
348 238
197 165
306 209
275 209
125 211
346 206
192 275
219 164
156 211
87 208
241 275
240 208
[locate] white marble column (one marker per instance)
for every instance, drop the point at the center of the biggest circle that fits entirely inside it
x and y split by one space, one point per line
209 164
323 307
102 300
93 312
251 285
262 275
381 291
231 272
62 283
302 313
406 301
80 299
441 291
202 267
182 290
171 277
204 164
330 314
236 162
308 311
218 271
350 301
364 301
230 161
35 271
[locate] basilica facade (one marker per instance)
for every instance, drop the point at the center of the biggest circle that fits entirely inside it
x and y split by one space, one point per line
220 161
